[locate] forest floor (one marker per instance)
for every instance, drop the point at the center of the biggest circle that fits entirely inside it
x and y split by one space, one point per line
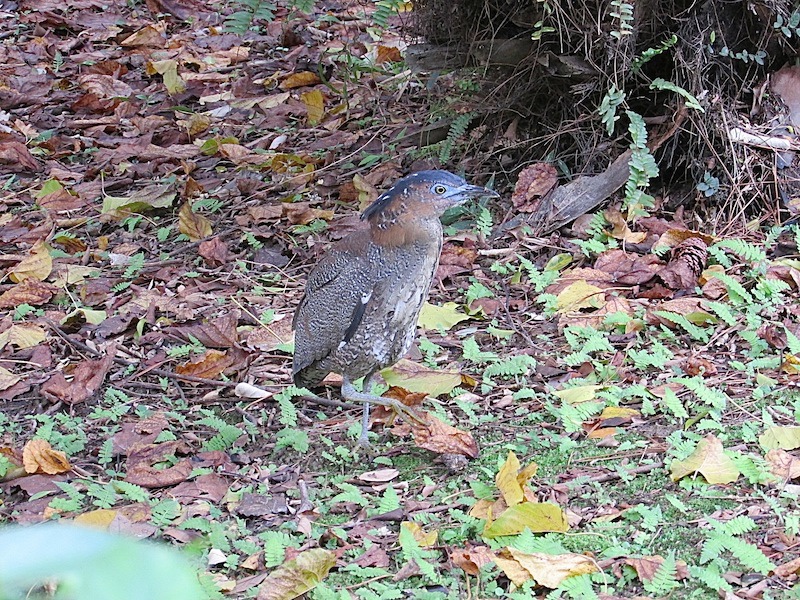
611 411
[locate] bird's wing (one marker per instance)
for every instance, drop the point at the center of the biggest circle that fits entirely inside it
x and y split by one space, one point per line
336 297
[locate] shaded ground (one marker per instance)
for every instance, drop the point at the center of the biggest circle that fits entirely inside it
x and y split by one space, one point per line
165 190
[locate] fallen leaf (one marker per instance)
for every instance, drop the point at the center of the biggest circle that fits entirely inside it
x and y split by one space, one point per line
580 295
550 570
379 475
534 182
38 456
100 518
415 377
782 464
578 394
300 79
193 225
315 106
23 335
539 517
472 558
7 378
440 318
709 460
29 291
168 69
442 438
647 566
425 539
620 229
788 569
298 575
208 366
673 237
36 265
87 378
142 461
785 438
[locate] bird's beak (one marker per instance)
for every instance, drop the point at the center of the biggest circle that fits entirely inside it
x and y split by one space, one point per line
468 192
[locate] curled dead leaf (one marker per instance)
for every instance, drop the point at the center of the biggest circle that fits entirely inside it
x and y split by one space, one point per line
442 438
38 456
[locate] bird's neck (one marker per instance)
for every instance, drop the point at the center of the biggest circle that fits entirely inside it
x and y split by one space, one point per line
406 230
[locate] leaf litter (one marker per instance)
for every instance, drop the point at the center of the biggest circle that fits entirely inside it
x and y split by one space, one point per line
171 188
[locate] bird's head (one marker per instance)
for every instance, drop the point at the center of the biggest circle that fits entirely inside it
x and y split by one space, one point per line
421 195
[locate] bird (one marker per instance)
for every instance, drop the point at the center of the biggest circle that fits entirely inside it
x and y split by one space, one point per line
359 311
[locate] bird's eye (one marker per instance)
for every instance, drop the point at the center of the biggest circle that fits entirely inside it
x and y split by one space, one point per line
439 189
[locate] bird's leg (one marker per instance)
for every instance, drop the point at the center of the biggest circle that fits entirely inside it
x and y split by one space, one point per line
350 393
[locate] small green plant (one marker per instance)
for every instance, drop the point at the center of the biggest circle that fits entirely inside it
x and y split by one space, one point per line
709 186
457 130
790 26
248 14
622 12
651 53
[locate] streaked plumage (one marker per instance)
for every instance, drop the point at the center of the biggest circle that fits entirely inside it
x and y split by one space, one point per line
362 300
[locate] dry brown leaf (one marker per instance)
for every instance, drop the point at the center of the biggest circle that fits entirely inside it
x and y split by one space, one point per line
38 456
387 54
7 378
442 438
23 335
298 575
193 225
87 378
534 182
300 79
783 464
646 567
208 366
143 457
788 569
549 570
472 558
14 156
215 252
627 268
219 332
620 229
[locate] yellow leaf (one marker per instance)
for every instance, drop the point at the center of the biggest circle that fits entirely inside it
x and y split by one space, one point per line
440 318
550 570
425 539
515 572
558 262
536 516
297 576
23 335
168 69
36 265
7 378
580 295
785 438
578 394
617 412
39 457
507 483
709 460
100 518
315 106
418 378
193 225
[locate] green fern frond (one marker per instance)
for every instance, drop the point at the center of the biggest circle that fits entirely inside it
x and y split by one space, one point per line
665 578
251 11
457 130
